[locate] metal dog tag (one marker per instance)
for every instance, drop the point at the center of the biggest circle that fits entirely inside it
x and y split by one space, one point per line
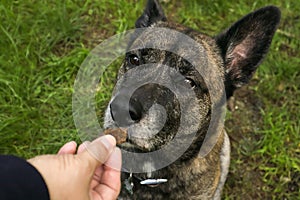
153 181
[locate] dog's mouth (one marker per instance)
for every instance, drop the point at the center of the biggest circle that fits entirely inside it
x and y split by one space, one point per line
141 140
132 146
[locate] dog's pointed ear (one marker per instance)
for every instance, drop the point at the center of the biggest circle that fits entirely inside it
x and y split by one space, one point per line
152 14
244 45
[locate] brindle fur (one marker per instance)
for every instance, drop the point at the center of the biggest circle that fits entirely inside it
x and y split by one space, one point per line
235 53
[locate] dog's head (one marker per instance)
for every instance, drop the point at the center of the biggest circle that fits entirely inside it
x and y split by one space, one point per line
152 113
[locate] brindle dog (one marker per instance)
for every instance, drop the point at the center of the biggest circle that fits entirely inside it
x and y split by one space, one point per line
235 53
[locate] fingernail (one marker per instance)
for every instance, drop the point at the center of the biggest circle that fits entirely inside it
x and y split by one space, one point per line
72 145
108 141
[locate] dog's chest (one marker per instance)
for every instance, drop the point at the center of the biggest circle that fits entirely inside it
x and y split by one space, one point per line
201 178
194 182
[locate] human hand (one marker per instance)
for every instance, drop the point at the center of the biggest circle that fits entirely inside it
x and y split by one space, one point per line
91 174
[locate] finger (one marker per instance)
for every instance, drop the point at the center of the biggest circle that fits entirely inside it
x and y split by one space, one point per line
97 176
82 146
110 185
68 148
114 162
99 150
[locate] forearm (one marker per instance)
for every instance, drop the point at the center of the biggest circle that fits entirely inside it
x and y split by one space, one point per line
20 180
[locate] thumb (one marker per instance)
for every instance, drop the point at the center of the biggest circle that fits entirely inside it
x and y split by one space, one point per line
98 151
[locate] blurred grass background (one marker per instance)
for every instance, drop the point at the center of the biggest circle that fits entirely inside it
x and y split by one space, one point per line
43 43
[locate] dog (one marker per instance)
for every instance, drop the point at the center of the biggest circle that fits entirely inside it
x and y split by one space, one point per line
235 54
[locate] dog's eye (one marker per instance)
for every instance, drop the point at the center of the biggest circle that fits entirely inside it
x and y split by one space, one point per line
133 60
190 82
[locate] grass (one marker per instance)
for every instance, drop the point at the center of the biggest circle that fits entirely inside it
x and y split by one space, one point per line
43 43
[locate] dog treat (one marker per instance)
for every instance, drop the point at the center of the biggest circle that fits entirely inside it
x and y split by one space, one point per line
119 134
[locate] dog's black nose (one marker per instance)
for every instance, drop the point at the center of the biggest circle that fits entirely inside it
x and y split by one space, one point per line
124 113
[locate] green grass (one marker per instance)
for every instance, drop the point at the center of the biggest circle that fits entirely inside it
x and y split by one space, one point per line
43 43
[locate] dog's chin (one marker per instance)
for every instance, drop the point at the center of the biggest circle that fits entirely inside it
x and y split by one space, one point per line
137 145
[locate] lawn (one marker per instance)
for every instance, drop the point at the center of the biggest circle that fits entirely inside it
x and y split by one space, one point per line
43 44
